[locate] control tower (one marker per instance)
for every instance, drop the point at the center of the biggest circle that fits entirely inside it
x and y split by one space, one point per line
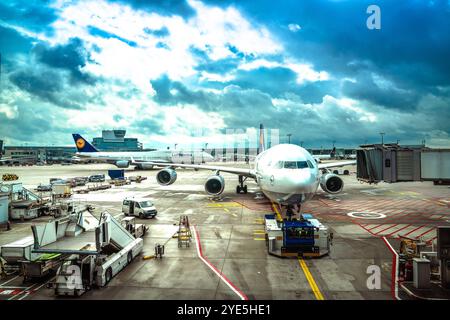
114 140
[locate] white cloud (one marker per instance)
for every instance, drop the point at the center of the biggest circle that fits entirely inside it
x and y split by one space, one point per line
305 72
293 27
212 29
206 76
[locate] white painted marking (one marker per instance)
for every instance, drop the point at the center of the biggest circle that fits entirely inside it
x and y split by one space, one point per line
1 285
366 215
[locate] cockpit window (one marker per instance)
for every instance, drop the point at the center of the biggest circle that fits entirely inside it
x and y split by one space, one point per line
295 164
278 165
310 164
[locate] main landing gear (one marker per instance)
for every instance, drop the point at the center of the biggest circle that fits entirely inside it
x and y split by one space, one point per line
241 188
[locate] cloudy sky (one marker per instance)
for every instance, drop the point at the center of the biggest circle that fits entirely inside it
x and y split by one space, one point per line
186 71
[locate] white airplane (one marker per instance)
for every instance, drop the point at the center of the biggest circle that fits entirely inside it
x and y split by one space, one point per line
143 160
287 174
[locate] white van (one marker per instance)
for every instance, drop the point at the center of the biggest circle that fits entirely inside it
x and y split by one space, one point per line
142 208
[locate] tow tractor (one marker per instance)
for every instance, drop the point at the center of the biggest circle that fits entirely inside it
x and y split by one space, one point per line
305 237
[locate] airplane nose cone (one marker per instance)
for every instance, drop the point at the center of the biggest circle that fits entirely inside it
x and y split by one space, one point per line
302 180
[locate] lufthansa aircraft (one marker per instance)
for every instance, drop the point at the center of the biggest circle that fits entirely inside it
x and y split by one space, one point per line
139 159
286 173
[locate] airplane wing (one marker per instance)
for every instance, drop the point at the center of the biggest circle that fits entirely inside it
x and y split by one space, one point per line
336 164
240 171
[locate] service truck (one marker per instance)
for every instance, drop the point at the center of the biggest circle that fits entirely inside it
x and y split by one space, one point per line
139 207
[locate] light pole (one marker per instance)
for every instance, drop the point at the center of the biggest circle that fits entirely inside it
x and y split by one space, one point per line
289 137
334 141
382 137
176 146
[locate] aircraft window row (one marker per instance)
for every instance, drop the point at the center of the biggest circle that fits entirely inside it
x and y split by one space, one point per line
293 164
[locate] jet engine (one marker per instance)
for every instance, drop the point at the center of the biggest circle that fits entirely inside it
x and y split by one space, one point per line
122 164
331 183
214 185
166 177
144 166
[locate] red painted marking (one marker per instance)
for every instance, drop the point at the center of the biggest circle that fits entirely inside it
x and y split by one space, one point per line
431 240
215 268
413 230
425 233
377 226
393 272
365 228
10 292
378 232
402 212
390 234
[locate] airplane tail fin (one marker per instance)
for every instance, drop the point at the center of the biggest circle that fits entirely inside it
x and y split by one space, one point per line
82 144
261 145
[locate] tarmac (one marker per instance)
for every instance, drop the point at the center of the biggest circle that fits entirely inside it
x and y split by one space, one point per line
228 259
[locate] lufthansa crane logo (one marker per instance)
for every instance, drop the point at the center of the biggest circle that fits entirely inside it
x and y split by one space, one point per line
80 143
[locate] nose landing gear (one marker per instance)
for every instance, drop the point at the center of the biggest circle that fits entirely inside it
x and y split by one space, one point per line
241 188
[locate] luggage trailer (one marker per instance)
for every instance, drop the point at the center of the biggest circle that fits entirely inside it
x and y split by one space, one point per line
306 237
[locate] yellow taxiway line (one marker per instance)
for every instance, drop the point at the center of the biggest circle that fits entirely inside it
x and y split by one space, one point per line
310 279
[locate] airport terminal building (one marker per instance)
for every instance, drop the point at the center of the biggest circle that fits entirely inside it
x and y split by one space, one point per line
33 154
114 140
111 140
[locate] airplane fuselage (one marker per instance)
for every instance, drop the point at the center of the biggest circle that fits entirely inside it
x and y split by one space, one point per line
287 174
148 156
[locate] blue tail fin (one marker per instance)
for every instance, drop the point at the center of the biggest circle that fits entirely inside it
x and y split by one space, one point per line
82 144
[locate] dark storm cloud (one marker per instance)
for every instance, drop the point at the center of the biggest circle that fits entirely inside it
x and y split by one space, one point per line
12 42
412 47
366 89
34 15
71 56
183 95
220 66
272 80
48 85
162 7
27 126
153 125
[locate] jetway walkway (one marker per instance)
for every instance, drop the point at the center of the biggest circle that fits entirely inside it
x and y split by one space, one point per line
394 163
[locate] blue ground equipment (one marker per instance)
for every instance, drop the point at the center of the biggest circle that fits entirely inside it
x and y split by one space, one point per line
117 174
305 237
